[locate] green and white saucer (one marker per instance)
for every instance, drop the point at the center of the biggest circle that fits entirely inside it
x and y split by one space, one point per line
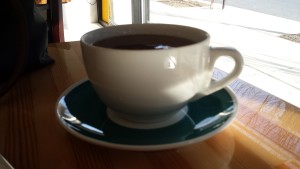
83 114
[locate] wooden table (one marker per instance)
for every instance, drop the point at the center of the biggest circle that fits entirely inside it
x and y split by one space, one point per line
265 133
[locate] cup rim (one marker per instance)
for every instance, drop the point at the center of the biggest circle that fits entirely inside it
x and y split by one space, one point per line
192 33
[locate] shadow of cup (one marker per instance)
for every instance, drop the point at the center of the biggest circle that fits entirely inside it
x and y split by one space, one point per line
215 152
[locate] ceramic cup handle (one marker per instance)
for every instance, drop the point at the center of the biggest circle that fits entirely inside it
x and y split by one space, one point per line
215 54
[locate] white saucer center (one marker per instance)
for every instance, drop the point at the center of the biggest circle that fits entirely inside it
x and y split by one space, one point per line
127 122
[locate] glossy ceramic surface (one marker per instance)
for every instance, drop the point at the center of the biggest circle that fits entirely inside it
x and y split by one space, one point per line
83 114
157 82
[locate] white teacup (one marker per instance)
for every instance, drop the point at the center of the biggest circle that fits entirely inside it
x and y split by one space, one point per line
149 88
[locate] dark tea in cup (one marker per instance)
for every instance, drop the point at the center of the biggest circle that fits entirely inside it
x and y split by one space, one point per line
146 41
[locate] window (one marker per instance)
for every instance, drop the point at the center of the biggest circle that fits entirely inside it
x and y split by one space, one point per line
266 33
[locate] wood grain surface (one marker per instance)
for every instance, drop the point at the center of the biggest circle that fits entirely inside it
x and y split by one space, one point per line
265 134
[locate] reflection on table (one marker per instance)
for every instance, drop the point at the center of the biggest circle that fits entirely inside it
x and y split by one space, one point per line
264 134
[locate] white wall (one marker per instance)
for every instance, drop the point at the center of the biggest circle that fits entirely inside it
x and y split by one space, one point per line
79 16
78 12
121 11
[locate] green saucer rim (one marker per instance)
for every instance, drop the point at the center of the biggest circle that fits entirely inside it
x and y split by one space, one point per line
151 147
